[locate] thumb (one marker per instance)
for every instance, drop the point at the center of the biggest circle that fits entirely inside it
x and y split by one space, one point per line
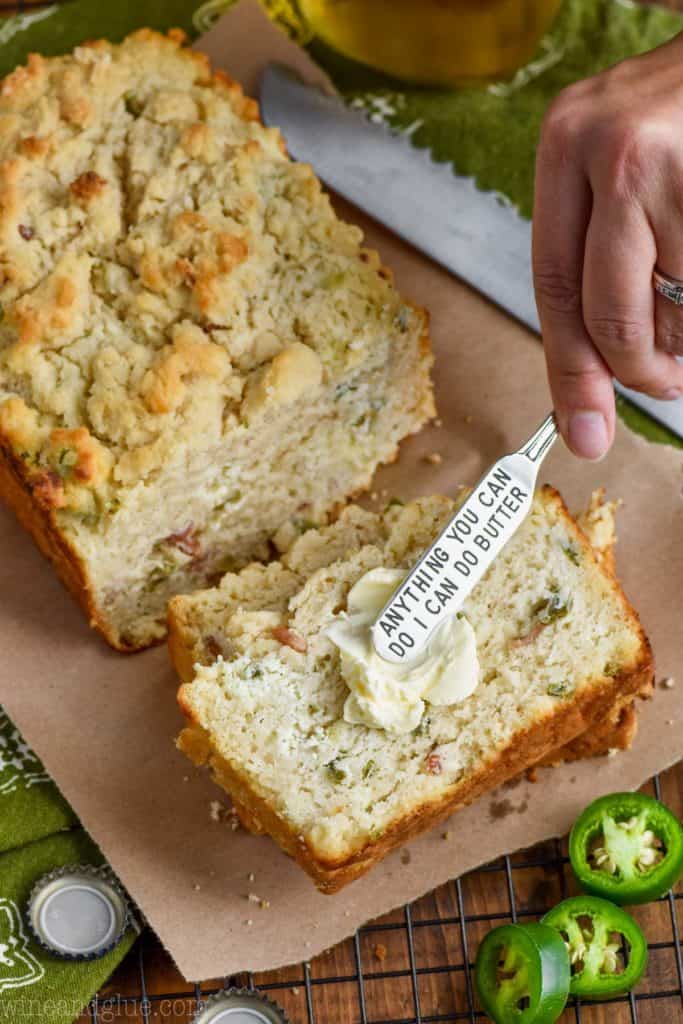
583 395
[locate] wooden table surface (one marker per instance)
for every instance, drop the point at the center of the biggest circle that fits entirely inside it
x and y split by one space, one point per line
409 966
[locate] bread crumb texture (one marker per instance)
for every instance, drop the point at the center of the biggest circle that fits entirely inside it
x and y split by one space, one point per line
558 647
193 348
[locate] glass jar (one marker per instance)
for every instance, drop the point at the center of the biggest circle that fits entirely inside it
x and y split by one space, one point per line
434 42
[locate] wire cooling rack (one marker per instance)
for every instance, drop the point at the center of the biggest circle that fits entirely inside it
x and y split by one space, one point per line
414 966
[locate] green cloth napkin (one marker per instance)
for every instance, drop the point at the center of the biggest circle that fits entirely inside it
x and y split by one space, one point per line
39 832
31 806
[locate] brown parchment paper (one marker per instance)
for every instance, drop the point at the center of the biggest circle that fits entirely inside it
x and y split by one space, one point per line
104 723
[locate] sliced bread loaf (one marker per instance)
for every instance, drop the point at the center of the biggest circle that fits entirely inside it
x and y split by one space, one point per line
194 349
559 649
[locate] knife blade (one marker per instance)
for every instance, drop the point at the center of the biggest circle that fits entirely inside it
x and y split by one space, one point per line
478 236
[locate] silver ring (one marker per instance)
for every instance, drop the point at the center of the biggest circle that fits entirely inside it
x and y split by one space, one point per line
670 287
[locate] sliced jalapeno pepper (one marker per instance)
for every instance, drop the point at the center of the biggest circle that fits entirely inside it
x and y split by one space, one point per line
627 847
607 950
522 974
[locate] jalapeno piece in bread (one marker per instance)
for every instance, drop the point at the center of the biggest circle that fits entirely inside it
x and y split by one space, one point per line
628 848
607 950
522 974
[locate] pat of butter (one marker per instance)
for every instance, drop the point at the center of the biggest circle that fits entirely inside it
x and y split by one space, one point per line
392 697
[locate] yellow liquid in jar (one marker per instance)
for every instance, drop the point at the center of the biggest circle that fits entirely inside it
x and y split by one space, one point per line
434 42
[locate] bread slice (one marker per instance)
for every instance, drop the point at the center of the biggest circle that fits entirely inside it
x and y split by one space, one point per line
266 695
194 350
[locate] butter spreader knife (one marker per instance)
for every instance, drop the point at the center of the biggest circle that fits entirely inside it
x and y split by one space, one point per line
445 575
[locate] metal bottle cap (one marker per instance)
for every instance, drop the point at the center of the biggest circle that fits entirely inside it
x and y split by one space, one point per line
78 912
239 1006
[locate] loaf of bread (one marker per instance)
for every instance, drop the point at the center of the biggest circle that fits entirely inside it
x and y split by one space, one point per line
194 349
559 648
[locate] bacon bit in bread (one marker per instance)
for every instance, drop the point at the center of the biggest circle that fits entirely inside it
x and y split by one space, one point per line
87 185
544 612
528 638
212 646
186 541
289 638
433 764
26 232
48 489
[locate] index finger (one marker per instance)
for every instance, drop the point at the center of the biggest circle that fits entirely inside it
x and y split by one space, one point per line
580 381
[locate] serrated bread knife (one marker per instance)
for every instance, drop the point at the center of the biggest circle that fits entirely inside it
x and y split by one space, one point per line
476 235
445 575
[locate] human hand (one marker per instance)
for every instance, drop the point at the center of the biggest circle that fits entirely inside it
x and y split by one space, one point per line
608 208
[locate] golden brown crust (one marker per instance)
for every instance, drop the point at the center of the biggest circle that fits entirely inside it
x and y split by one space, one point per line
38 518
87 186
181 644
615 733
